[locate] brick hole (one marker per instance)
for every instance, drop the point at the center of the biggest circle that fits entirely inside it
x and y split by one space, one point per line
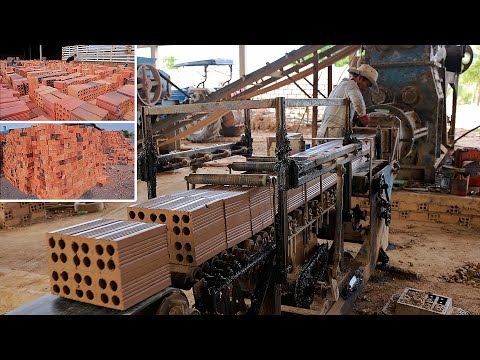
78 278
188 247
86 261
56 288
178 245
131 214
76 260
153 218
102 283
186 219
99 249
85 248
89 295
79 293
54 257
110 250
64 275
179 257
111 264
189 258
88 280
55 275
113 285
141 215
186 231
176 230
51 242
61 243
74 247
115 300
101 264
104 298
176 219
162 218
66 289
63 257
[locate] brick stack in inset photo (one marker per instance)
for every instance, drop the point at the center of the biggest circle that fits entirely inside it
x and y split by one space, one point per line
117 150
109 263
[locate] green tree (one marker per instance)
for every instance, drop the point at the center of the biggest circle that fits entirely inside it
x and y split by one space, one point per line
469 81
168 62
126 133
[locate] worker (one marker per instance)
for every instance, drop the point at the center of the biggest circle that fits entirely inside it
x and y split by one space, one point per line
71 58
361 78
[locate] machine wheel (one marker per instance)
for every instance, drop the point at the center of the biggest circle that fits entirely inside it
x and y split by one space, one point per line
467 58
208 133
175 304
149 89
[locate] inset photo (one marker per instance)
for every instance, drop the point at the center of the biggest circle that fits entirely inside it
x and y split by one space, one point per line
71 82
67 161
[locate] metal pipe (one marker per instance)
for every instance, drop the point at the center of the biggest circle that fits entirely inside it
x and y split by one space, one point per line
338 238
315 93
252 166
235 179
281 218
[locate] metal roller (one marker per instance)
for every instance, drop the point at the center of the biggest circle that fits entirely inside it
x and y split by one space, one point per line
220 179
252 166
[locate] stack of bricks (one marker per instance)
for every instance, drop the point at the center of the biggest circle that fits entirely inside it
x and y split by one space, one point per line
2 140
60 161
50 100
203 222
109 263
89 112
11 107
128 90
88 91
18 164
117 150
116 104
21 213
50 81
63 85
67 160
64 108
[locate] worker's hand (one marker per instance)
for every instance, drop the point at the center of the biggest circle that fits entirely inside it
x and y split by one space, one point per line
365 119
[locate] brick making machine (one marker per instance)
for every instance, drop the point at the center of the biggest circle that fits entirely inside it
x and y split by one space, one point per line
270 237
267 240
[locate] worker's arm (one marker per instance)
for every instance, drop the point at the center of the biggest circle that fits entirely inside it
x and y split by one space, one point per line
355 96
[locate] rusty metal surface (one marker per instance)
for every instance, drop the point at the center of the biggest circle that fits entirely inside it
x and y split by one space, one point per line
210 107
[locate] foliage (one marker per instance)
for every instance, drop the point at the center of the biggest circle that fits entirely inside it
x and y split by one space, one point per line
127 134
469 81
168 62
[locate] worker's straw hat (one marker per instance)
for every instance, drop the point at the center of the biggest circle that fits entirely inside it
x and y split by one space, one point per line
367 71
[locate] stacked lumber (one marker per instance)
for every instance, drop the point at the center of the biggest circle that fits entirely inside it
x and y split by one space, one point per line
110 263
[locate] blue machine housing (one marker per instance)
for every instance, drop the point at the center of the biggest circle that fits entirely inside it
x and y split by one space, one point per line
410 79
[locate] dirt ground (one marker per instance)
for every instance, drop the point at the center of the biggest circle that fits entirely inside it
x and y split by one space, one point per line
120 185
427 255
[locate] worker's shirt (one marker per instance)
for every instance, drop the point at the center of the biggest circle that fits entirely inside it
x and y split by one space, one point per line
334 116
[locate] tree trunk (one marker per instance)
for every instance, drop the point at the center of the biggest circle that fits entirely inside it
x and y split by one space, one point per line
477 92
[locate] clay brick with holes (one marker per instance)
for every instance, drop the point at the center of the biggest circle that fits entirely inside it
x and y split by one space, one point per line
110 263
